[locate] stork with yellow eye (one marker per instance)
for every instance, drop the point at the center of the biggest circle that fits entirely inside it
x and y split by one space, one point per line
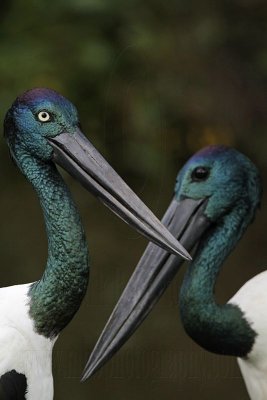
42 128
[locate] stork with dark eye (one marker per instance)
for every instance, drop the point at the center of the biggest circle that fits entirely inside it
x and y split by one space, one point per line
216 197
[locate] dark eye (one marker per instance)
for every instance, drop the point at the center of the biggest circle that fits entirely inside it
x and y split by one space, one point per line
44 116
200 174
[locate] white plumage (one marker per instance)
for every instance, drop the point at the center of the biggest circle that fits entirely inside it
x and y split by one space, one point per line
252 300
21 348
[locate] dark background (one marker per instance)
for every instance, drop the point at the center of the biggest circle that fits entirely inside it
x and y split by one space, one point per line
154 81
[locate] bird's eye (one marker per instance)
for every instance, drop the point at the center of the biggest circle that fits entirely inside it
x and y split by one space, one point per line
200 174
44 116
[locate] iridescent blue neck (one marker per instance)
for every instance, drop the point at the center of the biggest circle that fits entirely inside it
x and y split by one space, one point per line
56 297
221 329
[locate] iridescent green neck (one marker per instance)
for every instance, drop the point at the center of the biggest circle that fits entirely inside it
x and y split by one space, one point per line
221 329
56 297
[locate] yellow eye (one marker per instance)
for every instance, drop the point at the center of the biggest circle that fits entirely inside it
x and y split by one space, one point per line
44 116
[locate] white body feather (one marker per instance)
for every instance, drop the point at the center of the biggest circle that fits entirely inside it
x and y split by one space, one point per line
252 300
21 348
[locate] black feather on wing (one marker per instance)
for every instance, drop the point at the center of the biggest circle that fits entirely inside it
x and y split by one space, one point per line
13 386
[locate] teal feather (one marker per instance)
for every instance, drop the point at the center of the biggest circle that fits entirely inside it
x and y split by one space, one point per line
56 297
234 192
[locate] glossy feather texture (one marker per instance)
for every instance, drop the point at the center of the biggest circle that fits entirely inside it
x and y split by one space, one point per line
42 128
240 327
32 315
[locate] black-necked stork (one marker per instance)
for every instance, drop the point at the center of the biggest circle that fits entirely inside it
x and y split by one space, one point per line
216 197
41 128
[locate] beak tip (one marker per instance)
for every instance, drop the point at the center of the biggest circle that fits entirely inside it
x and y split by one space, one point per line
180 251
89 370
185 254
85 375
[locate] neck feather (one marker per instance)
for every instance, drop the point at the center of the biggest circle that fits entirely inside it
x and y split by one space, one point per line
221 329
56 297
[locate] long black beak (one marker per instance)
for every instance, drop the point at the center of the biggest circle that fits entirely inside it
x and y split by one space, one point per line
77 155
156 269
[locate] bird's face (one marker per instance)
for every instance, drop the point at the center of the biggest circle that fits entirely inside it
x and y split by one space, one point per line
215 182
224 177
36 116
42 125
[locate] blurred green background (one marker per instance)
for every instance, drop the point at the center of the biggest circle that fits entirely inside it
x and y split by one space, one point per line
154 81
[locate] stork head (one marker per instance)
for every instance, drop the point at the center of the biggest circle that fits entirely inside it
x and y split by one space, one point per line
35 117
224 177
